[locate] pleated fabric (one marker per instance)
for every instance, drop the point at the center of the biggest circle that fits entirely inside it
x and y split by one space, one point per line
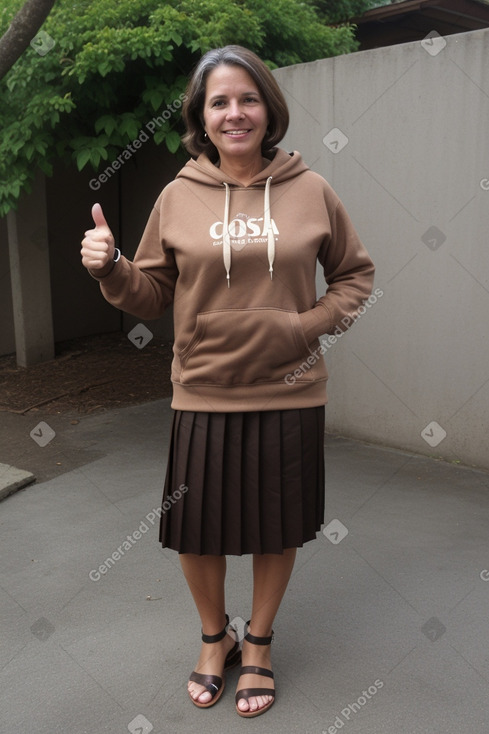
240 483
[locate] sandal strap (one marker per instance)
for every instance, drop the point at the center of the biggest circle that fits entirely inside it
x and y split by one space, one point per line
257 640
220 635
233 657
211 683
247 693
255 670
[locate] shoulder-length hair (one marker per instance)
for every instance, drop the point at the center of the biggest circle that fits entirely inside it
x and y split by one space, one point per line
193 106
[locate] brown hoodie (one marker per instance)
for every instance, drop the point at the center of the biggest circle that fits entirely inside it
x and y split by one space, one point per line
239 264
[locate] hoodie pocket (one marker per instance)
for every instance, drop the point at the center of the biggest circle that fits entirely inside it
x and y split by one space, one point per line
243 347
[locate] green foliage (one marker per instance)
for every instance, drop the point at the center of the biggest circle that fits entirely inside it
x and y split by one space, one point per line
338 11
115 66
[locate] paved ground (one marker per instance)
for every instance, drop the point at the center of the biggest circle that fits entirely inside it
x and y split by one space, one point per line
384 629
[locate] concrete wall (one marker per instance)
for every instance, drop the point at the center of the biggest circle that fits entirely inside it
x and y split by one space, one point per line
78 307
413 173
127 200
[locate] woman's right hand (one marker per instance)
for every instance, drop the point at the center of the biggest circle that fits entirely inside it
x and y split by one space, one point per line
98 247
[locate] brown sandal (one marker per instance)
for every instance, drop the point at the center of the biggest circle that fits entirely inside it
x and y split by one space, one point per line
247 693
214 683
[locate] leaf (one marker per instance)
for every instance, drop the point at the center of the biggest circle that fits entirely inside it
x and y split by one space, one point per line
172 141
159 136
107 123
82 158
46 167
95 157
41 146
103 68
129 126
28 151
154 97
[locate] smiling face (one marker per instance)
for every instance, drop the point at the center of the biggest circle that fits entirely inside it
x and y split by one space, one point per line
235 115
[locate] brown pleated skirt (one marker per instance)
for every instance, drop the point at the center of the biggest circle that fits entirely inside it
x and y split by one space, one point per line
241 483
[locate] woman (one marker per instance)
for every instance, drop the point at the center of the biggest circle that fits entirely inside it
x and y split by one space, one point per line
233 242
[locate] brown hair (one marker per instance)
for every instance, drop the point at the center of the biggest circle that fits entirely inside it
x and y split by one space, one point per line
192 109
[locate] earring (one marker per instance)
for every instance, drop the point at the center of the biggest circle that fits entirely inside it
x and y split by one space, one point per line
205 136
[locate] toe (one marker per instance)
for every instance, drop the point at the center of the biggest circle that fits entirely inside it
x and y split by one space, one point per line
198 693
253 702
259 702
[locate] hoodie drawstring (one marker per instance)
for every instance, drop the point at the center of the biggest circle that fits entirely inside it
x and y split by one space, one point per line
267 227
226 241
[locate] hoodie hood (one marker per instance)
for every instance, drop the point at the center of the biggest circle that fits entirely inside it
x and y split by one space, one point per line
278 166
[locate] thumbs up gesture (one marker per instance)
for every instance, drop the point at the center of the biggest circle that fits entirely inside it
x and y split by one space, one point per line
97 249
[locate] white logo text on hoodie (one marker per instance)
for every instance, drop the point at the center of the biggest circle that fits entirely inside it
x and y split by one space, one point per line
244 230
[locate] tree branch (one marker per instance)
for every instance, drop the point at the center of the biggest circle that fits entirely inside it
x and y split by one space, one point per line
21 31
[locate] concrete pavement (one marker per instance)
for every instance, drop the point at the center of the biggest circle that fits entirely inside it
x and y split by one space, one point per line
384 628
13 479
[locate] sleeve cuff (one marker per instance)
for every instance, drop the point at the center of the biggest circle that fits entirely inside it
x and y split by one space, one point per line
102 273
